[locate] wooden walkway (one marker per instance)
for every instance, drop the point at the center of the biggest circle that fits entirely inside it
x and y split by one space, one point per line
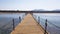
28 26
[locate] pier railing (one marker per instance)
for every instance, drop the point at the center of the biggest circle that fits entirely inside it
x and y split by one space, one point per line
49 26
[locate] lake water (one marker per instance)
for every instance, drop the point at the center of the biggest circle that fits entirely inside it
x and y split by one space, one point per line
6 21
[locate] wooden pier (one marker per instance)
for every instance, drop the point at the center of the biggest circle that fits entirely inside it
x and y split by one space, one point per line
28 26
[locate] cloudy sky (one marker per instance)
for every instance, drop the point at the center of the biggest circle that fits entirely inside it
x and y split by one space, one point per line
29 4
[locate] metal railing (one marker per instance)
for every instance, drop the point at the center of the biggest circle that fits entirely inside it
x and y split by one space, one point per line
48 26
8 27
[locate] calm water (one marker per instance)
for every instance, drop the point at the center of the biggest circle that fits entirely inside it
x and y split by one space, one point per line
6 21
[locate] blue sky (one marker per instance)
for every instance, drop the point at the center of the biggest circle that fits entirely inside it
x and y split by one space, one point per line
29 4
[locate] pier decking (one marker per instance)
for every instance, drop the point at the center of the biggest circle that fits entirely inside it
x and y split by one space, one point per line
28 26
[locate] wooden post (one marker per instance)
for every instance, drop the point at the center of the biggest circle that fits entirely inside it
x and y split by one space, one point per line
38 19
13 25
19 18
45 27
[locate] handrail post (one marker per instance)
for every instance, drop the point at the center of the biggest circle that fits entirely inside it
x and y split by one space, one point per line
45 27
19 18
38 19
13 25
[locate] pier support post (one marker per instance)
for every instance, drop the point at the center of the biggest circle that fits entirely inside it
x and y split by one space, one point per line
19 18
13 25
38 19
45 27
